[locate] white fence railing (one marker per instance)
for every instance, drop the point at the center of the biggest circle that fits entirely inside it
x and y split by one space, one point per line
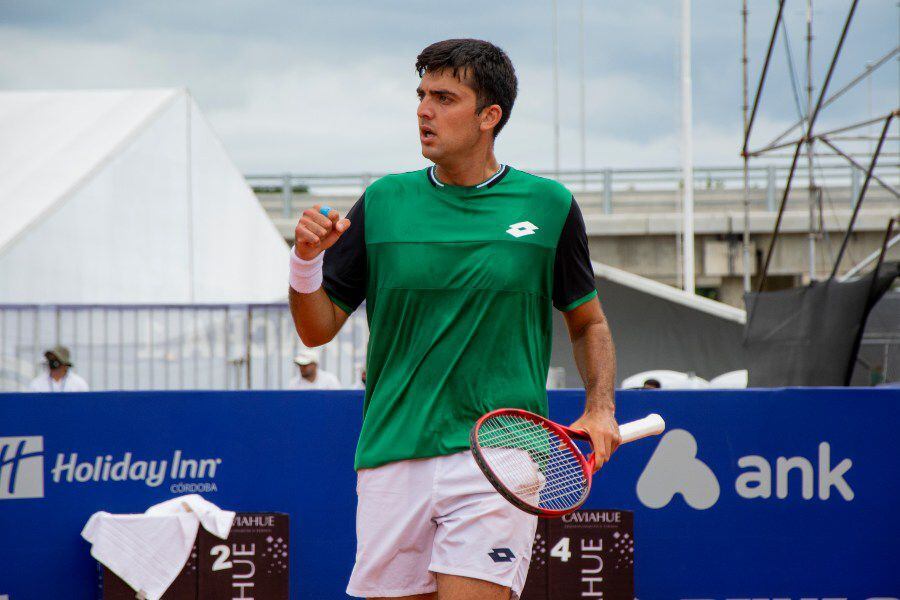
170 347
766 182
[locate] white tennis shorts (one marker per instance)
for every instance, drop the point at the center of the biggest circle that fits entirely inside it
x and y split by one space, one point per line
415 518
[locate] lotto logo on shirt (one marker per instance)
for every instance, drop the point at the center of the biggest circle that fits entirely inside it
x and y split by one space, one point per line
21 467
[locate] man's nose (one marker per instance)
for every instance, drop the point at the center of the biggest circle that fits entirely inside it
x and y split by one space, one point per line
424 111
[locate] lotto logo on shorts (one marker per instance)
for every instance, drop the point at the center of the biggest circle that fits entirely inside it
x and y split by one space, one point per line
501 555
21 467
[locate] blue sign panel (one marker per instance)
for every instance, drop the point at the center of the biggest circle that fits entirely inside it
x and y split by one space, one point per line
783 494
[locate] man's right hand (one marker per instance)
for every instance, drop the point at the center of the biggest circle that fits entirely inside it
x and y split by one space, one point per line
315 233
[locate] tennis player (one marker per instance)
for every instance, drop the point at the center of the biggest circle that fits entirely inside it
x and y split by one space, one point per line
460 264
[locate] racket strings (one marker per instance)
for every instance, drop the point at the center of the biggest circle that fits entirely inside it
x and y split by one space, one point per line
533 462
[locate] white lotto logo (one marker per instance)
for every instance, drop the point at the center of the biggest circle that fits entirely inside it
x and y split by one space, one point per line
517 230
21 467
675 468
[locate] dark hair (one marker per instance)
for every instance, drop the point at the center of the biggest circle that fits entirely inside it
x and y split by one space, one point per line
481 65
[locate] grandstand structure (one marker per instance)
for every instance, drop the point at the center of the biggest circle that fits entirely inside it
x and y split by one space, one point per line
633 217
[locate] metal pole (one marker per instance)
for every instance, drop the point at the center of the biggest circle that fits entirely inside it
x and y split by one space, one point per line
869 259
152 352
106 347
812 120
555 90
182 337
3 333
859 335
189 176
167 335
762 76
812 197
137 342
771 188
607 191
279 339
121 349
862 194
856 169
687 155
90 343
582 97
866 73
745 242
820 135
287 197
249 342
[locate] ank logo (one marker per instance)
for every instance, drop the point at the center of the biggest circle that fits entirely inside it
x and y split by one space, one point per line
677 468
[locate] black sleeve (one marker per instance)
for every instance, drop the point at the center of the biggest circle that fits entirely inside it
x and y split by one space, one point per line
345 267
573 275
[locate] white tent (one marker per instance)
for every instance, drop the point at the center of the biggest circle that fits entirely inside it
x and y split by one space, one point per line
127 197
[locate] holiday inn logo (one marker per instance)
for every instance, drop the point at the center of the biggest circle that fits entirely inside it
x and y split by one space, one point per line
21 467
23 475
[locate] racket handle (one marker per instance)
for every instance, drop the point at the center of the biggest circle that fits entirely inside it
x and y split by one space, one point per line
635 430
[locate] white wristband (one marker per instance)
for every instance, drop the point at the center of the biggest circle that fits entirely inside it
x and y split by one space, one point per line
306 275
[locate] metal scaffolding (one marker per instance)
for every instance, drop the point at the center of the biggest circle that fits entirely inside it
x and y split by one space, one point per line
806 123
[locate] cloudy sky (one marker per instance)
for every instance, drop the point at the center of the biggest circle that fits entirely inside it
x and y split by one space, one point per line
329 87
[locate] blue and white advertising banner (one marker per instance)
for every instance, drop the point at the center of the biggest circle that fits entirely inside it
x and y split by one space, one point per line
757 494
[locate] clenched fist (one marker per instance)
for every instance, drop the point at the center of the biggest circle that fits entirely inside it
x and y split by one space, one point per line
315 233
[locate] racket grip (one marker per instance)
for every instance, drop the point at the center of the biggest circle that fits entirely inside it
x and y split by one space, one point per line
650 425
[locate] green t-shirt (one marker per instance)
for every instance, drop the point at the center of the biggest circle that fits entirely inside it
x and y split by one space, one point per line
459 284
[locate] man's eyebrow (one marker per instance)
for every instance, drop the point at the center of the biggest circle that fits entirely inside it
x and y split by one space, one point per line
436 92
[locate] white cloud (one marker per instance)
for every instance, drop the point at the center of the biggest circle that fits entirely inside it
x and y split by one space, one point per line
329 88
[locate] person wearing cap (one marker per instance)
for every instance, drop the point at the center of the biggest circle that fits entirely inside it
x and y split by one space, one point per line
311 377
59 377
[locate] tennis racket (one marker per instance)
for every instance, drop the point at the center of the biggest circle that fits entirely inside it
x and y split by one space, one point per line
534 462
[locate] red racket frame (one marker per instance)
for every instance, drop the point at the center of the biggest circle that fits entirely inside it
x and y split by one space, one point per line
565 435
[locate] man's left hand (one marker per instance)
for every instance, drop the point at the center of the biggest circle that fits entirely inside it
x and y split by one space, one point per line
604 431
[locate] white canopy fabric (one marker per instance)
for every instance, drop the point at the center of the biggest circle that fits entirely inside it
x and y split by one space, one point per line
127 197
668 380
733 380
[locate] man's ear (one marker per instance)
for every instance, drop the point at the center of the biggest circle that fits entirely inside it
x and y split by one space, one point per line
490 117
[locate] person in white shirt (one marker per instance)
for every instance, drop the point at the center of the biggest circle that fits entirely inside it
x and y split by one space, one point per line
361 384
311 377
59 377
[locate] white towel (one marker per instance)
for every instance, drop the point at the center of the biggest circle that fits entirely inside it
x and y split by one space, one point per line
148 551
214 519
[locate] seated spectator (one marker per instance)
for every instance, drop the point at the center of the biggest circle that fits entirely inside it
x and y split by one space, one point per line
651 384
311 377
60 376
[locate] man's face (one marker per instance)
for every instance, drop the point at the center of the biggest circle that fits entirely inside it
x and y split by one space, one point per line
53 362
448 125
308 371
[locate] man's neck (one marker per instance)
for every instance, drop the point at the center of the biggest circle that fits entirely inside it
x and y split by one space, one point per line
469 171
58 374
